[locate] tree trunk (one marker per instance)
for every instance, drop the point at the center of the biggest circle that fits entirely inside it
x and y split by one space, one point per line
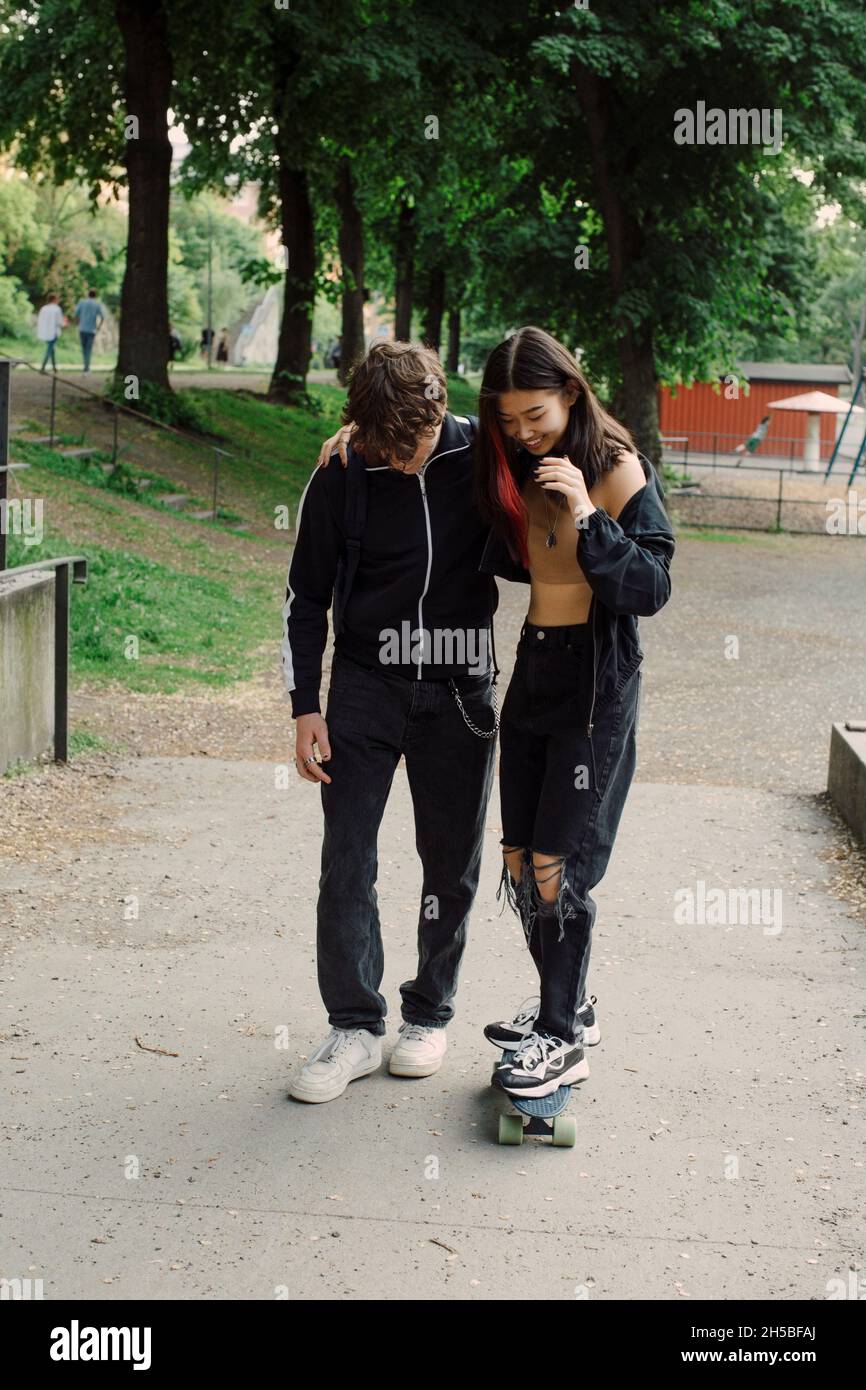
434 309
143 347
351 244
453 360
639 391
289 379
405 265
639 384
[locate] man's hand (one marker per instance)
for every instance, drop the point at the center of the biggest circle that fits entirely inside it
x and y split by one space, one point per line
337 444
311 731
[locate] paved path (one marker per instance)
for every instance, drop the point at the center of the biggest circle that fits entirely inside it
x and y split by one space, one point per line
720 1148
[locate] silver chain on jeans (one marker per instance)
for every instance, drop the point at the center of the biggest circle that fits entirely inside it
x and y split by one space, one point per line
480 733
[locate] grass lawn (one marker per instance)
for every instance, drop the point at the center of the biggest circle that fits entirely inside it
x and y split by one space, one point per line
67 350
151 626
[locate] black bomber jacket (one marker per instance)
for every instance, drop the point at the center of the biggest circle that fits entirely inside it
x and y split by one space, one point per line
627 565
416 568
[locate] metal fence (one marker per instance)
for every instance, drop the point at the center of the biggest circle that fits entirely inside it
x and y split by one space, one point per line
713 449
759 493
120 413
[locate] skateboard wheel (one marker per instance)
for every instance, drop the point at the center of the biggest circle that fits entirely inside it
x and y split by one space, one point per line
510 1129
565 1131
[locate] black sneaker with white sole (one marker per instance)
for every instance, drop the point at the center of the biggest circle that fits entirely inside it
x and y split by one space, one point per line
508 1036
591 1030
541 1065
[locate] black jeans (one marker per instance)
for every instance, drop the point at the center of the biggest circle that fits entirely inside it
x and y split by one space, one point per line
563 793
373 717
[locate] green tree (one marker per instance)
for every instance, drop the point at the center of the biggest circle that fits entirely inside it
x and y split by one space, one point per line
85 93
683 246
22 237
685 227
199 224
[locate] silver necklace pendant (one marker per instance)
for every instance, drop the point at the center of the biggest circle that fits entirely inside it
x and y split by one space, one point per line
551 541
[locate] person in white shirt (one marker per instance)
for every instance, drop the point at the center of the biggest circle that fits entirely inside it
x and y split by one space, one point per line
49 326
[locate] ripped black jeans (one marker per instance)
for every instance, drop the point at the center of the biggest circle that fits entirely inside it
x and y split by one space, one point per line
562 794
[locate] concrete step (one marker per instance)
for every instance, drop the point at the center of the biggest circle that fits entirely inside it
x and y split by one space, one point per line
77 453
175 499
846 776
203 516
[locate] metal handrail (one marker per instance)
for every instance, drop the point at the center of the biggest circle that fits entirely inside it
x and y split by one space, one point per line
117 408
117 405
778 498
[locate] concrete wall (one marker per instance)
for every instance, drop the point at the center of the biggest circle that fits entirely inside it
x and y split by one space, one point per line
26 666
846 777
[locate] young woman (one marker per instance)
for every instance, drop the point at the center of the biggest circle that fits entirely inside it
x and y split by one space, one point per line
577 513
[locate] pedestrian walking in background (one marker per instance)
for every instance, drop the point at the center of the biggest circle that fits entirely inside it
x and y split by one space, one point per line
754 441
223 347
49 325
89 314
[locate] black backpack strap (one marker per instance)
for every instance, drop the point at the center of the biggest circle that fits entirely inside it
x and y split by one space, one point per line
354 521
472 422
493 590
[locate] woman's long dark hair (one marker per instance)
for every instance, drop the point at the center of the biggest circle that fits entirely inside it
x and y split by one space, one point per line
531 360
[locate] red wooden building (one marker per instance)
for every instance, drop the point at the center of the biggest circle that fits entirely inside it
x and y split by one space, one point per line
715 424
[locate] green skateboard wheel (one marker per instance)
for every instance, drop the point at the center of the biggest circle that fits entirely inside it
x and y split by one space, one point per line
510 1129
565 1131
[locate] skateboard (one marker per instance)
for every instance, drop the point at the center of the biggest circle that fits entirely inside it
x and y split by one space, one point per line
538 1116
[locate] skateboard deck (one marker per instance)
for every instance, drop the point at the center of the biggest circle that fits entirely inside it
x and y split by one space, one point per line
537 1116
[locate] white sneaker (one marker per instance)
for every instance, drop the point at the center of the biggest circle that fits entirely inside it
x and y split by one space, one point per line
419 1051
343 1057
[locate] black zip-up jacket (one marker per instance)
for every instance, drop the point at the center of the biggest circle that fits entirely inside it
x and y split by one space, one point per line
417 570
627 565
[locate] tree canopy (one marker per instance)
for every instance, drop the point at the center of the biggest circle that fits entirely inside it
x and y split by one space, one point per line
475 167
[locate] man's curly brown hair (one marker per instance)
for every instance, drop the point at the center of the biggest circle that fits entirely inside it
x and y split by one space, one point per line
397 396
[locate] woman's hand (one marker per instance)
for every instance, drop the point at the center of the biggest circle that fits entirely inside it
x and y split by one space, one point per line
560 475
337 444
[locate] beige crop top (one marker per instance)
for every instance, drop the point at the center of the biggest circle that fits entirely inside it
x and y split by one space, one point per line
559 592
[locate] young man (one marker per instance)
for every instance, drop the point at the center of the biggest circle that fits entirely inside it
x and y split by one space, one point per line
396 540
90 315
